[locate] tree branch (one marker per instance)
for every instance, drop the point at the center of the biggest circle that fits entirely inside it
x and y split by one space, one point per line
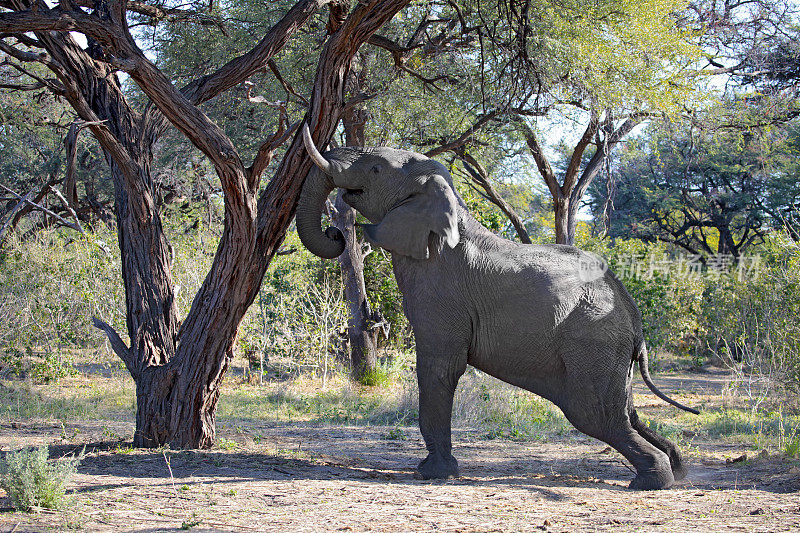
17 207
481 177
240 68
267 150
542 163
119 347
602 152
69 209
34 205
571 174
464 137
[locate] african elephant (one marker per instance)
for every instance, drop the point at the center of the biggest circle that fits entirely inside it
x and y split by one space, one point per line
544 318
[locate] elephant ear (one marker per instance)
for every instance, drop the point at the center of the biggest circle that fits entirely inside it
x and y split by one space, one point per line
406 228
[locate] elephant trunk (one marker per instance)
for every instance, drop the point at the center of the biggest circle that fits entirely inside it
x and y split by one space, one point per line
318 185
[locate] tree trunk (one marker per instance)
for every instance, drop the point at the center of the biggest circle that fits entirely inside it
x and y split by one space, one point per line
362 336
178 372
564 223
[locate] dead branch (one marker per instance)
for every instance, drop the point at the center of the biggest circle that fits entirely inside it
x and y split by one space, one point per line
71 147
34 205
285 84
69 209
118 346
11 214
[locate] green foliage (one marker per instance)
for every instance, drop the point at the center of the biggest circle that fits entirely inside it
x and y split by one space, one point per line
754 323
395 434
504 411
623 52
693 187
377 377
747 316
191 522
50 287
31 481
300 312
384 295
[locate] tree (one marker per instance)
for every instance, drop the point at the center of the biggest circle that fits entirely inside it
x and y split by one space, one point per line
178 367
500 72
363 324
708 192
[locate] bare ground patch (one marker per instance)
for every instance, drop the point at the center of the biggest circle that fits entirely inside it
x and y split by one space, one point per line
290 477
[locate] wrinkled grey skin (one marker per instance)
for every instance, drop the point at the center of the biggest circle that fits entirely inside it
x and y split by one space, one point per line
525 314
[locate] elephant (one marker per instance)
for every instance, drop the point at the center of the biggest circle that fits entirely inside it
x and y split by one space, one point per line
547 318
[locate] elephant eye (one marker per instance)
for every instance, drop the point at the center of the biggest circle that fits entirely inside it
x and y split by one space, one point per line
377 169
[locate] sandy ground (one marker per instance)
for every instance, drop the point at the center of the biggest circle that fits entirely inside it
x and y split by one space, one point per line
339 478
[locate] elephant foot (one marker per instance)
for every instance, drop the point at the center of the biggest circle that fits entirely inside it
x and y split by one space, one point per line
438 467
679 471
653 480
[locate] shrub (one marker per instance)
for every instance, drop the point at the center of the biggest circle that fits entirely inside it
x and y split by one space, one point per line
746 316
50 287
752 323
31 481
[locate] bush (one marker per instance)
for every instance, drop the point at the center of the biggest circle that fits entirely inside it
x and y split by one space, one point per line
746 315
752 322
31 481
50 287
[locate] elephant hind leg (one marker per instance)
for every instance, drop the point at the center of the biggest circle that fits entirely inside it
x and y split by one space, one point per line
611 425
653 470
660 442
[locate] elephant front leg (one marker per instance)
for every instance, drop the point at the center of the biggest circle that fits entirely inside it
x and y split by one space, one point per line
436 389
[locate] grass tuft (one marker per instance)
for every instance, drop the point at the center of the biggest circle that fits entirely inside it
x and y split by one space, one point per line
377 377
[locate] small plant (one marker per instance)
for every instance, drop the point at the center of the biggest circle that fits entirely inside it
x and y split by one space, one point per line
124 449
792 446
110 433
227 444
189 523
51 368
395 434
376 377
31 481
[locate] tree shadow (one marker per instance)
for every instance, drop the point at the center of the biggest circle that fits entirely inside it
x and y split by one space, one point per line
190 468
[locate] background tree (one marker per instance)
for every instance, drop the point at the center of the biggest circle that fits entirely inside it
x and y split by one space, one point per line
708 192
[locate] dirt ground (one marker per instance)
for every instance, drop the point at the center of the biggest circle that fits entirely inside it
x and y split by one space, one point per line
276 477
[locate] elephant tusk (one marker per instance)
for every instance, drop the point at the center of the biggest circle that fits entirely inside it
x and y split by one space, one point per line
323 164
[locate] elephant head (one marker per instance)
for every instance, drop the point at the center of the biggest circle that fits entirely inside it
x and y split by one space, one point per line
407 197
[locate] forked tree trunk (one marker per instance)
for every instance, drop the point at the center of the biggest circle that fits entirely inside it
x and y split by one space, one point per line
178 372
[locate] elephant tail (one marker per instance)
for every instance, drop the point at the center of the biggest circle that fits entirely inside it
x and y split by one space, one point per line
641 357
